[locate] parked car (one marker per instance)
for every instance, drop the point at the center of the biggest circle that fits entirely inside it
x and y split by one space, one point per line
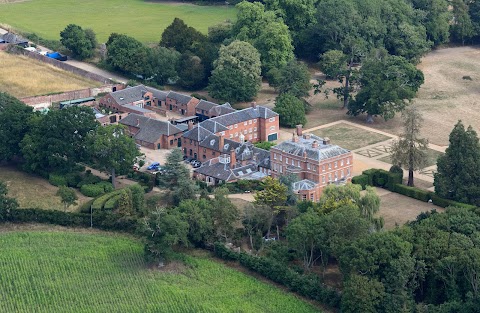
196 164
153 166
136 167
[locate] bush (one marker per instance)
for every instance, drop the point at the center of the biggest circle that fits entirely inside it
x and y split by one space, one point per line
413 192
73 179
91 190
89 179
446 203
57 180
306 285
360 180
99 202
111 204
382 178
85 207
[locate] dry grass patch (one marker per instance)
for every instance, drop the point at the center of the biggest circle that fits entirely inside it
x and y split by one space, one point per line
22 77
350 137
432 156
397 209
34 192
443 99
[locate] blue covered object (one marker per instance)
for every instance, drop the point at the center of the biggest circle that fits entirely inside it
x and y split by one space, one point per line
57 56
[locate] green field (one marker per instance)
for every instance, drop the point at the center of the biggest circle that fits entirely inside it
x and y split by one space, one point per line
144 20
47 271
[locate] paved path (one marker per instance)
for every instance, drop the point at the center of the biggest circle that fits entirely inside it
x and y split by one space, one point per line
83 65
368 156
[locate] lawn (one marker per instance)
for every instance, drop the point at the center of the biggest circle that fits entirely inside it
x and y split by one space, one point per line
32 191
45 271
144 20
22 77
398 209
432 156
350 137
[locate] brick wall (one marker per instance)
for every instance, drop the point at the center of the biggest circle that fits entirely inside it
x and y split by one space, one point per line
62 65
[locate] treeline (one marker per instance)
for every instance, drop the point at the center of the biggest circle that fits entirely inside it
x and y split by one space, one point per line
386 37
53 143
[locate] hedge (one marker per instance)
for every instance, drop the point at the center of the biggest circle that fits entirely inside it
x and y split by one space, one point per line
112 202
99 202
413 192
95 190
308 286
101 220
360 180
393 182
85 207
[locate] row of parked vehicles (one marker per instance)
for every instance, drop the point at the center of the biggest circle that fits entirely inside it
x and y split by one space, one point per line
194 162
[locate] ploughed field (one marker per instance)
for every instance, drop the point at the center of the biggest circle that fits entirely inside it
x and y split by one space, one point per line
67 271
144 20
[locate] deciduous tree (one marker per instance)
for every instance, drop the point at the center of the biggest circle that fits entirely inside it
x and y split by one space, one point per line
6 203
80 42
410 151
291 110
387 84
293 78
67 196
14 124
180 36
113 149
274 196
236 76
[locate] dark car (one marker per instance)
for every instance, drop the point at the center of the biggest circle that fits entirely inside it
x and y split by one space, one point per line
153 166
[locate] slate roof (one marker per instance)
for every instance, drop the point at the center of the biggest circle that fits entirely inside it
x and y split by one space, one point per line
180 98
212 142
205 105
222 109
150 129
129 94
198 133
305 145
217 170
13 38
303 185
241 116
213 126
162 95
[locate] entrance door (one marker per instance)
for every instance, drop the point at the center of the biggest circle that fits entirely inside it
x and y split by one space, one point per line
158 146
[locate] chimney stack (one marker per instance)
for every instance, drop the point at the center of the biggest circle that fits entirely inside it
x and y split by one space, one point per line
326 141
299 130
190 125
221 142
233 158
294 137
254 105
315 144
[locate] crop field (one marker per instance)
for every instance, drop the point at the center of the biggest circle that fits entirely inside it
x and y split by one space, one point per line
45 271
23 77
144 20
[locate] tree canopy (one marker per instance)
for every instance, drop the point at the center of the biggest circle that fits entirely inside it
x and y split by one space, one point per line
458 170
290 109
236 76
387 84
80 42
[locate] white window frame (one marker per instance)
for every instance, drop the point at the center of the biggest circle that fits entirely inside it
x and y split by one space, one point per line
235 125
274 156
308 166
286 160
272 119
250 122
348 160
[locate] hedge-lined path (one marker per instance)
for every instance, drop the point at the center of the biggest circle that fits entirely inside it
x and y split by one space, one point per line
368 157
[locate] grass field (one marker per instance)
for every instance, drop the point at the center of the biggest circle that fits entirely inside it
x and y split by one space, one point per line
432 156
32 191
144 20
350 137
46 271
22 77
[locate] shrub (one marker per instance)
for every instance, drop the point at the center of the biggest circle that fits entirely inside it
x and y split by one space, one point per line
57 180
446 203
360 180
382 178
306 285
73 179
413 192
89 179
99 202
85 207
111 204
107 187
91 190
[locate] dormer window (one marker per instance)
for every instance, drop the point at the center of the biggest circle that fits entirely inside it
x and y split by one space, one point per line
212 142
